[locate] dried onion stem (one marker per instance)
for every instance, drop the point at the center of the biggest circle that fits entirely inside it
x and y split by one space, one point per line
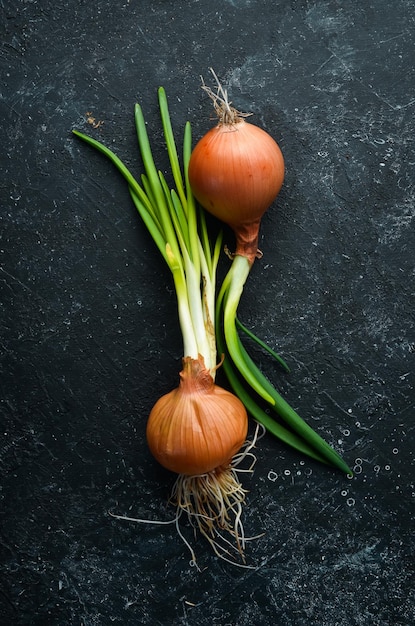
226 113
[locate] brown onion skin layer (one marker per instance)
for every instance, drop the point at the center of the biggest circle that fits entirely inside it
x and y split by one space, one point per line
235 172
198 427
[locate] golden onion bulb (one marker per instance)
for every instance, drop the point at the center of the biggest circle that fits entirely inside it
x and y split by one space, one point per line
198 427
236 171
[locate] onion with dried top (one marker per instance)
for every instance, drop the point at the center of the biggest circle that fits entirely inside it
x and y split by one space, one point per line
236 171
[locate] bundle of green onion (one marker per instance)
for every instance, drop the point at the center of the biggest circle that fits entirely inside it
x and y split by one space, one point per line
199 429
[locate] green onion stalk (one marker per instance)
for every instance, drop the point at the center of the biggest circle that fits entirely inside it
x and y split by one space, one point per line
242 372
179 231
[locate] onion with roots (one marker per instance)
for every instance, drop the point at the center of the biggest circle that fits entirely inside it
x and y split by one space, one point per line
197 431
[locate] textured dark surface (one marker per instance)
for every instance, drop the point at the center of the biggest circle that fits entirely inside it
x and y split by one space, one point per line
89 330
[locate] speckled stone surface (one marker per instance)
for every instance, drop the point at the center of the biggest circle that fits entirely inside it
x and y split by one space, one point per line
89 328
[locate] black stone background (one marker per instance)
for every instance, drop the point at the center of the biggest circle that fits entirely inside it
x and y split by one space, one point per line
89 329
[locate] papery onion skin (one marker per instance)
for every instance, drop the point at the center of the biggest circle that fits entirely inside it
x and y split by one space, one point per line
198 427
235 172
